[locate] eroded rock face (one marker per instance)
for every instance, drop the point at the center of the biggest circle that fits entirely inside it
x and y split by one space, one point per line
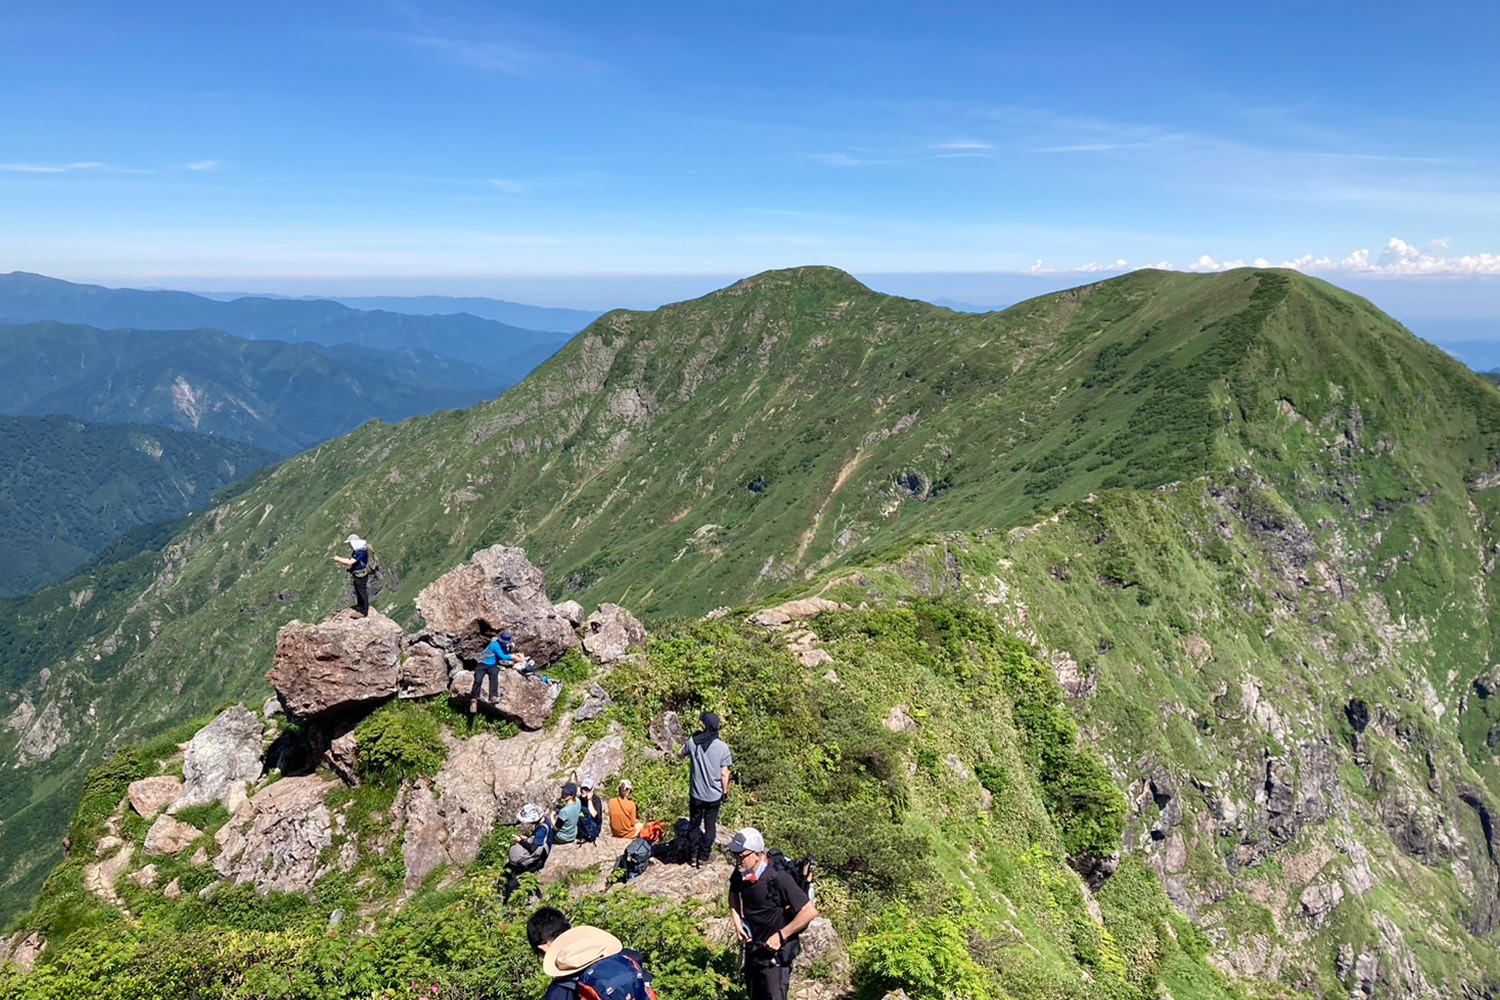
486 780
525 700
594 705
423 670
221 759
275 840
343 662
150 796
667 732
170 836
498 589
22 948
610 633
784 614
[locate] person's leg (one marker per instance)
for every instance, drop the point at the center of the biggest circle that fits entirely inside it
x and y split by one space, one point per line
710 829
362 595
478 680
779 983
767 982
696 810
494 673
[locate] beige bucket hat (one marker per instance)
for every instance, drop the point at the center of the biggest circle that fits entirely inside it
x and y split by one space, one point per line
577 948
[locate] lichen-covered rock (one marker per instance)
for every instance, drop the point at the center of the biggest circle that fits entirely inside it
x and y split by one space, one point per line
784 614
594 705
170 836
572 611
222 756
485 780
150 796
339 663
277 839
22 949
497 589
524 699
610 633
667 732
423 670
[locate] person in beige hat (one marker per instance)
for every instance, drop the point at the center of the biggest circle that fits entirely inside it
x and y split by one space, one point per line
624 818
586 963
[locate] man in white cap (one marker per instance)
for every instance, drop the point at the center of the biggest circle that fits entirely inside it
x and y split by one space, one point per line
769 910
359 572
586 963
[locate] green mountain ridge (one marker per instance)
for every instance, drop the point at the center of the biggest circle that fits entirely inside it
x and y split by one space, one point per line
1227 508
67 489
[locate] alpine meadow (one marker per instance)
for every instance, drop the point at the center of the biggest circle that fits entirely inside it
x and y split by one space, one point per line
1135 641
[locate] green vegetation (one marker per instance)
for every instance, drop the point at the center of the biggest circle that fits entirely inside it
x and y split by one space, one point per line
400 740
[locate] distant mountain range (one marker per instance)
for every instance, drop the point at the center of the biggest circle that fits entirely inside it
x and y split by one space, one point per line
68 488
26 298
514 313
273 395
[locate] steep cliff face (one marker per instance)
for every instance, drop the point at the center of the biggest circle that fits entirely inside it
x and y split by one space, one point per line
1250 521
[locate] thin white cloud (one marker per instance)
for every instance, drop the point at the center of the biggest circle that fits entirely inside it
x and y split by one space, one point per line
202 165
1397 259
961 145
508 186
499 57
50 168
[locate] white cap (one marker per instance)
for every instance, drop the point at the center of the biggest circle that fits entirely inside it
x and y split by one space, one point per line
748 839
530 813
355 542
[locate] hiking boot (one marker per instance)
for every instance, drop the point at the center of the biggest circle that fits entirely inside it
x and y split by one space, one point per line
473 705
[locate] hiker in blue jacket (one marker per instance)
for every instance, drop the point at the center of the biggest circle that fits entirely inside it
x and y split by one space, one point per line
359 572
500 651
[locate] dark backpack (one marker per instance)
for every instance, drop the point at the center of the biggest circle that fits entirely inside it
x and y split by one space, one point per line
634 861
803 871
618 977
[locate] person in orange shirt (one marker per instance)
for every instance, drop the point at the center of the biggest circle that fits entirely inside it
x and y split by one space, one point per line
624 820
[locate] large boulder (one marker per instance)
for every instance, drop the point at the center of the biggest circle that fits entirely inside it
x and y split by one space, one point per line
277 840
610 633
170 836
221 759
498 589
150 796
523 699
345 661
423 670
784 615
485 780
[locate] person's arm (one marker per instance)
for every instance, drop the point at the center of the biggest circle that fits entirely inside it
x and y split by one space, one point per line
724 779
347 563
794 926
737 914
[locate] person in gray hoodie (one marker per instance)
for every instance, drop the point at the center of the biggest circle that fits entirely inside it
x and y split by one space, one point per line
708 784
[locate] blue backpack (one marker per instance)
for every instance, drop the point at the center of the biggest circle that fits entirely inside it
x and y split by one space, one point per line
618 977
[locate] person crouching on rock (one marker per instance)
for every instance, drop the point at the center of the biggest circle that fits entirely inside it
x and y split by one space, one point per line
359 572
585 961
530 849
500 652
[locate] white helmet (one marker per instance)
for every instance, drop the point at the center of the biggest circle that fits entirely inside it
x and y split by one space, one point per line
530 813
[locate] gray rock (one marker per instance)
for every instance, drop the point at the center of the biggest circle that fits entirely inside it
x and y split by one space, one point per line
497 589
170 836
898 721
667 733
820 941
594 705
220 756
423 670
1319 899
572 611
342 662
173 890
145 878
524 699
610 633
342 757
277 839
22 949
271 708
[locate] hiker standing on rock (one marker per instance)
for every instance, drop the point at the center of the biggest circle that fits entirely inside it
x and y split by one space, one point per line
769 910
359 572
586 961
501 650
708 784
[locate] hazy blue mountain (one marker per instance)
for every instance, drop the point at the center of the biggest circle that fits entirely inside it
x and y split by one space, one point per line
278 396
68 488
28 298
514 313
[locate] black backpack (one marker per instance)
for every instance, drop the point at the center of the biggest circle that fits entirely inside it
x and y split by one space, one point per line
803 871
633 862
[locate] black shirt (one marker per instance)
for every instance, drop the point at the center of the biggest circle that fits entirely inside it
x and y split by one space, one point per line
769 903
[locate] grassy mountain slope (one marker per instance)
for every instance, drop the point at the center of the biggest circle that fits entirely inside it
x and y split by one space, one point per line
27 298
67 488
278 396
795 424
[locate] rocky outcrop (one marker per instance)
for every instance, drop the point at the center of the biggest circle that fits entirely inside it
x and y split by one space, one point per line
150 796
784 614
498 589
610 633
278 838
170 836
524 699
667 732
572 611
339 663
423 670
342 756
22 949
221 759
101 876
485 780
594 705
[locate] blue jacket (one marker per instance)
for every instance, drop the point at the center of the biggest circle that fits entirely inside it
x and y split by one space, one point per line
495 653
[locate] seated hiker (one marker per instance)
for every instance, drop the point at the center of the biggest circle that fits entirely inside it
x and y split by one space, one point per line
565 816
501 650
624 820
591 818
585 961
532 845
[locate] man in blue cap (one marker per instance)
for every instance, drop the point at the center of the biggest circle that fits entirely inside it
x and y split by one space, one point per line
501 650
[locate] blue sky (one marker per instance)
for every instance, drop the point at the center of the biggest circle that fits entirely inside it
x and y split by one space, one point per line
471 147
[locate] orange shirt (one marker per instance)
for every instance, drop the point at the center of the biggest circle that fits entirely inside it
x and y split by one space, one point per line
622 817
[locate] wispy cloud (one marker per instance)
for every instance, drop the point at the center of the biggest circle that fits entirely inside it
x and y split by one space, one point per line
1397 259
970 145
508 186
50 168
202 165
500 57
